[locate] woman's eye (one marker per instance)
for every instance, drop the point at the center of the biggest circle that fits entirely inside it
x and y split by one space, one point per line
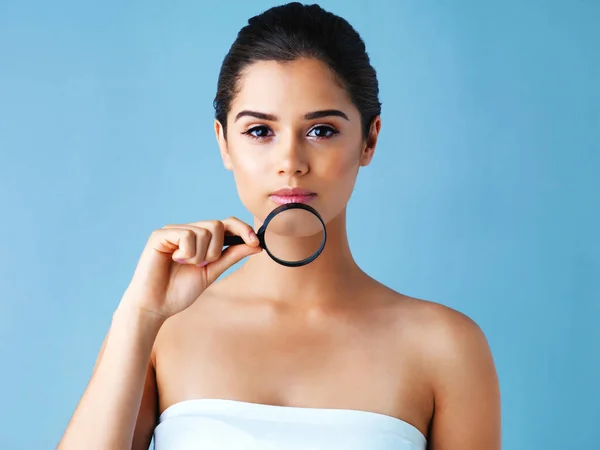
319 132
258 132
323 131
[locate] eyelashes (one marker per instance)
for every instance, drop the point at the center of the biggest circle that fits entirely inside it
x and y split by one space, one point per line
261 129
328 129
325 132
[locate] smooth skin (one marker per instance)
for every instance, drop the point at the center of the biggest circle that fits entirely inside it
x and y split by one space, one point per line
324 335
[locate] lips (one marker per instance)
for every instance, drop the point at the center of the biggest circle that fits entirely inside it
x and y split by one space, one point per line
292 195
291 192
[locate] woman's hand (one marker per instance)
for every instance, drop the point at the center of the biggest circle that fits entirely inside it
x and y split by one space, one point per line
180 261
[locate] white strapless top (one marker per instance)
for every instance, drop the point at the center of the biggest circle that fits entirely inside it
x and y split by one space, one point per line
219 424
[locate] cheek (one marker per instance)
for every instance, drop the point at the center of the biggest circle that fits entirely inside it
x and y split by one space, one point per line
338 177
247 163
341 169
247 168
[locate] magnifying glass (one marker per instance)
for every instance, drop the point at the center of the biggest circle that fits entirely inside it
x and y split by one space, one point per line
293 235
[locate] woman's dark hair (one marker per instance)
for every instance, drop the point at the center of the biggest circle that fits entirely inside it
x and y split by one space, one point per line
293 31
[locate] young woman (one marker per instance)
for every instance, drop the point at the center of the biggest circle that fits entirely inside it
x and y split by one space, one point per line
271 357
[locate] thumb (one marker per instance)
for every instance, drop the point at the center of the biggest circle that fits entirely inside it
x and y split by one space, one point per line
229 257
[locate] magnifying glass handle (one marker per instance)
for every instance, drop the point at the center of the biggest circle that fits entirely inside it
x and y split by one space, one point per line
233 240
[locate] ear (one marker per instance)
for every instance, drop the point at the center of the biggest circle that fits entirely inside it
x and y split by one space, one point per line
223 148
368 150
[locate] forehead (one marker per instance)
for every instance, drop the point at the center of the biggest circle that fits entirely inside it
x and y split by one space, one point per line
292 87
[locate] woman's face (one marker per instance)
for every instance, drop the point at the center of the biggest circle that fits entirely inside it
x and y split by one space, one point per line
292 126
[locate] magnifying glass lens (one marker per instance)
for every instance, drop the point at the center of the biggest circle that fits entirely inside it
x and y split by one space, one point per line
294 235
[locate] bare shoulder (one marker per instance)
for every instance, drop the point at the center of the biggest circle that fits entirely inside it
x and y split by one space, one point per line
454 341
445 337
431 317
459 362
450 338
443 330
446 328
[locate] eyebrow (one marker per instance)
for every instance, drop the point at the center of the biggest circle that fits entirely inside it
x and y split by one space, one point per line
308 116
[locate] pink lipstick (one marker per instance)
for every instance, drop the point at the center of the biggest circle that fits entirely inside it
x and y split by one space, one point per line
292 195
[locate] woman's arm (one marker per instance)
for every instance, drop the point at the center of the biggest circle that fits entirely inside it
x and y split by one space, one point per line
467 412
111 408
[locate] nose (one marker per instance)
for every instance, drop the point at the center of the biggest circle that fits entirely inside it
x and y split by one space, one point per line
292 158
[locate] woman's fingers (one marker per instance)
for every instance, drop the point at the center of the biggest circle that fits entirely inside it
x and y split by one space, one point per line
235 226
201 242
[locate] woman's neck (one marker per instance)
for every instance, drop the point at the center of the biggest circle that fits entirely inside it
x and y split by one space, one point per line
324 279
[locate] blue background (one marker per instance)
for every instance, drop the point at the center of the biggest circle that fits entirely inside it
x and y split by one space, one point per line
489 152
